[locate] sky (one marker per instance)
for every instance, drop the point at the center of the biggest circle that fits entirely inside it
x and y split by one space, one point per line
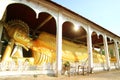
105 13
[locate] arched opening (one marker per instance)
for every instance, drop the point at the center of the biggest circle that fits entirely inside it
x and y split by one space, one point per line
67 30
118 48
111 49
45 38
77 36
21 12
74 43
98 51
113 53
44 23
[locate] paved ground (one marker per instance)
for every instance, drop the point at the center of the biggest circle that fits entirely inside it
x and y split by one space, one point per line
106 75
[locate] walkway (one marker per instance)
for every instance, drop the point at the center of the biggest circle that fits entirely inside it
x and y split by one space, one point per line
111 75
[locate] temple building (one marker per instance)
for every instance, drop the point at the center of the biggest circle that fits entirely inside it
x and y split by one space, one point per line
42 35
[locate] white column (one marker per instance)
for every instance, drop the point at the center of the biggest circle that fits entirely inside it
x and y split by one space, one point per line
3 5
1 30
90 54
117 54
106 52
59 46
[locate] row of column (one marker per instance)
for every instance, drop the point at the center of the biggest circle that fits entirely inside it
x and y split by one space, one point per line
107 53
89 45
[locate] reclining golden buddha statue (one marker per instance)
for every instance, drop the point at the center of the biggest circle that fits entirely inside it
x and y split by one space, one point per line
43 48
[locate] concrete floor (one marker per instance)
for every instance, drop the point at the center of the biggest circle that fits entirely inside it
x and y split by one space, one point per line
106 75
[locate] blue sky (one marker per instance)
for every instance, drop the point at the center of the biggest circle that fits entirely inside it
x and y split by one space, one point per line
105 13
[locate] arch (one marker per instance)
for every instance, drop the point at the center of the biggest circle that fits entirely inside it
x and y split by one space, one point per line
100 40
21 12
74 42
67 29
95 32
46 22
118 48
77 36
81 35
108 40
114 51
25 13
111 48
98 49
101 44
95 39
45 10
